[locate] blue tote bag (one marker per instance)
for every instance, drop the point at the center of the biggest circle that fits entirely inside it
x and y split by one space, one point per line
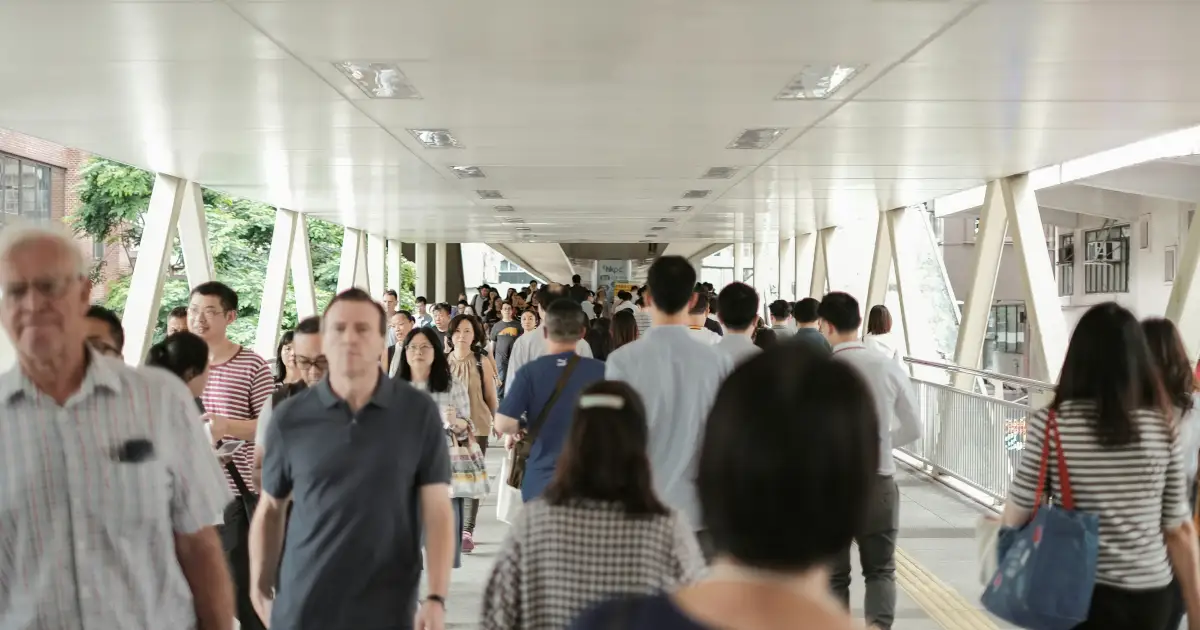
1047 568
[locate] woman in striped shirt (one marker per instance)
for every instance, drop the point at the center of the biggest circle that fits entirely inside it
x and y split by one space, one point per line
1125 466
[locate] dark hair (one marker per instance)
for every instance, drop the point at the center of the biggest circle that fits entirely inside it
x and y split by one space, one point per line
477 341
821 465
701 304
779 309
765 338
576 279
439 371
598 309
624 296
406 313
671 279
358 296
443 307
737 305
532 311
599 338
110 319
841 311
309 326
624 328
564 320
604 455
179 312
879 320
392 293
183 354
228 297
281 369
421 300
1170 356
806 311
1108 364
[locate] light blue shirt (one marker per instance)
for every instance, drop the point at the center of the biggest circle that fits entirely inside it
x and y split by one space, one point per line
677 378
738 346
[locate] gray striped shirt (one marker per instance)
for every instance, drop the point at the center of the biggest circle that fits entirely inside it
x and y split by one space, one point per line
86 535
1136 490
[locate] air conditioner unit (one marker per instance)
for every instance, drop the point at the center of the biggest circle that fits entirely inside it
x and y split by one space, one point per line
1066 255
1099 252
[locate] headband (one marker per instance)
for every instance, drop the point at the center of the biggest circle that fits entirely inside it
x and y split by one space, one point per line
601 401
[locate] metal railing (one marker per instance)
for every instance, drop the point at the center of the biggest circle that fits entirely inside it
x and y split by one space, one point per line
977 436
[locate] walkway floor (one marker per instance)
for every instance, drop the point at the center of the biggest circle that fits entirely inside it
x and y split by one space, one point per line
936 568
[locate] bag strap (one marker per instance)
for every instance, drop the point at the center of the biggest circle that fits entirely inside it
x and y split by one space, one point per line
1052 434
536 426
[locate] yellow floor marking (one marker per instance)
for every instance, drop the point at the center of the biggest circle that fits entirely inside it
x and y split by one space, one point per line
942 603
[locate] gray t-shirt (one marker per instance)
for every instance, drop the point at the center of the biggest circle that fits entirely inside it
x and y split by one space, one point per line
353 555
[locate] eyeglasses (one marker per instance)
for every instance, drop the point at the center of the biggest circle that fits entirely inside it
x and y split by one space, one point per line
418 348
208 313
49 288
305 363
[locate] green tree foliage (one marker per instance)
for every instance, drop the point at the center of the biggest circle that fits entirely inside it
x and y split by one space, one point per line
115 198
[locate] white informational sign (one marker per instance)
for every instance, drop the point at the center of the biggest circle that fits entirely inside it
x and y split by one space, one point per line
611 272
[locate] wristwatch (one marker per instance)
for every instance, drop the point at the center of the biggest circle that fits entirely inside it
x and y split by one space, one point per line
436 598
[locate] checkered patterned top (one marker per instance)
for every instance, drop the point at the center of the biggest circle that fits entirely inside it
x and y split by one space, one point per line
86 533
559 561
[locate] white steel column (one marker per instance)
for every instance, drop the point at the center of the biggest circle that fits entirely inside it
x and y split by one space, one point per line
989 246
270 310
394 275
1183 307
761 282
145 289
805 253
739 262
348 268
302 271
421 286
376 265
193 236
787 268
361 279
819 278
439 270
1043 307
881 266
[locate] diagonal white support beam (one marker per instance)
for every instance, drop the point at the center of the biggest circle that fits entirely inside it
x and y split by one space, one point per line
193 236
302 271
805 256
351 252
394 274
1049 344
270 311
376 265
819 281
787 268
989 246
881 266
145 288
1183 307
361 277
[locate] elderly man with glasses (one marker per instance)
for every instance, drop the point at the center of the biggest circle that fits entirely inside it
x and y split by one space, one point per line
111 491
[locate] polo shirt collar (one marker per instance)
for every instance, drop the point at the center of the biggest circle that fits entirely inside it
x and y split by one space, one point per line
670 331
100 376
381 397
847 345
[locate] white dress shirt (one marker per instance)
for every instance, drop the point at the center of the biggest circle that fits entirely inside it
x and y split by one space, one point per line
895 400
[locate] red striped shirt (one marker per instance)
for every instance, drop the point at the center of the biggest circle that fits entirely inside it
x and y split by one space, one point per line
237 389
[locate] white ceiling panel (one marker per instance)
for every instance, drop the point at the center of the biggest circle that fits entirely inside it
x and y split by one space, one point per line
592 119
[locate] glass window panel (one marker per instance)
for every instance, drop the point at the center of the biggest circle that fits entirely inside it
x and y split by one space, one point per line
43 197
28 190
10 187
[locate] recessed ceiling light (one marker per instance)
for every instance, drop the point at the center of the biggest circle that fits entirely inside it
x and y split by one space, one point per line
436 138
658 228
514 220
467 172
681 208
503 208
667 220
817 82
756 138
696 194
524 229
646 241
489 194
378 79
721 172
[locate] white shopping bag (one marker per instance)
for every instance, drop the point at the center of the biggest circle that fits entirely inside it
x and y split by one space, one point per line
987 532
508 503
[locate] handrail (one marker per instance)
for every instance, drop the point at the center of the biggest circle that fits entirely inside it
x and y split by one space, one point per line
995 376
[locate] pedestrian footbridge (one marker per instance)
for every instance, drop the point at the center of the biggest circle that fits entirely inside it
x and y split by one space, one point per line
955 474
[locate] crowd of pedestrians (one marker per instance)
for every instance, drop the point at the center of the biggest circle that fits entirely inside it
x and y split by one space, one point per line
683 462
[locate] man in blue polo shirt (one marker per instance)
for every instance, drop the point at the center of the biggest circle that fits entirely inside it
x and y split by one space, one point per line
534 385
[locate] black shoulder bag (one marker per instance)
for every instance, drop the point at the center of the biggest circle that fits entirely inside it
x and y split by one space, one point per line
524 447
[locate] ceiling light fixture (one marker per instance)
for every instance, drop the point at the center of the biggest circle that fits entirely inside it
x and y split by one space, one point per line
658 228
436 138
667 220
696 194
503 208
756 138
524 229
514 220
489 194
378 79
817 82
720 172
468 172
681 208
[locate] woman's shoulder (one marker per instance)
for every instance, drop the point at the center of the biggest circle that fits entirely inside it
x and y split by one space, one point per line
633 612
